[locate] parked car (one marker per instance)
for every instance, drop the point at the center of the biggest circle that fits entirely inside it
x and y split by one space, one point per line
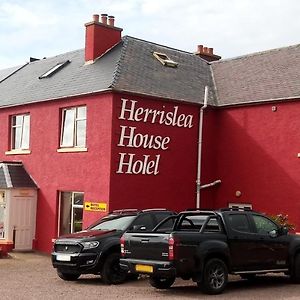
96 250
206 246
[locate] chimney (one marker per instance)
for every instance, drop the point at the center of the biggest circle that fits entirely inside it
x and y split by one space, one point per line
207 53
100 36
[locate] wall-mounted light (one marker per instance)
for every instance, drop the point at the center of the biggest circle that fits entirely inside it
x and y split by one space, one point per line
298 155
274 108
238 193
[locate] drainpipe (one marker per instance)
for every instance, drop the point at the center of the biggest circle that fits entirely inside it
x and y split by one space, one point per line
198 181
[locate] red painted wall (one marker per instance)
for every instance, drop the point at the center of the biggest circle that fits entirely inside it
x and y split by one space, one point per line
174 187
87 172
257 155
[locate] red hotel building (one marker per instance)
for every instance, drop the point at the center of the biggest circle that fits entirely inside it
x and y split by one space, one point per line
121 124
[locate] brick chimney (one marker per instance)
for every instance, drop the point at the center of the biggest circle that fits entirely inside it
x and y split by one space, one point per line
100 36
207 53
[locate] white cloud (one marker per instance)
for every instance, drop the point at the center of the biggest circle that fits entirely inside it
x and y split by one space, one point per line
231 27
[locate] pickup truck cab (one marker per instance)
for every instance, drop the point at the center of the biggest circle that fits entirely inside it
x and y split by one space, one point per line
206 246
96 250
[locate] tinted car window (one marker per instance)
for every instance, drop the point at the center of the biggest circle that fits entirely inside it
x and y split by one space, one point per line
264 225
145 221
239 222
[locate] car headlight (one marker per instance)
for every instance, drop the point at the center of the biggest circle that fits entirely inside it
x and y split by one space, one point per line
90 245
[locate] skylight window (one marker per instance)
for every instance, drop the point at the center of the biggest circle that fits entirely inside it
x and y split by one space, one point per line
54 69
165 60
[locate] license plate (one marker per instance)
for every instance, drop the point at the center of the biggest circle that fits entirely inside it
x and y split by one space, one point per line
144 268
63 257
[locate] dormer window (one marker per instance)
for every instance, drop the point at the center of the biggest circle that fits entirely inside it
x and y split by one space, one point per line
165 60
54 69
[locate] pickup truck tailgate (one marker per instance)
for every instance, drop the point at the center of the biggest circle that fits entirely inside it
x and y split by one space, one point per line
151 246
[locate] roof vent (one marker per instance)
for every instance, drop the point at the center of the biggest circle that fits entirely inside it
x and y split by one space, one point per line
165 60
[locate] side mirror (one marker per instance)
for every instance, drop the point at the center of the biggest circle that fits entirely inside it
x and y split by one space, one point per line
284 230
273 233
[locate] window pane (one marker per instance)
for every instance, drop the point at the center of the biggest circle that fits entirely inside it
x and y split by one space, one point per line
81 112
26 132
65 213
239 223
16 137
264 225
78 198
81 133
68 128
18 120
77 219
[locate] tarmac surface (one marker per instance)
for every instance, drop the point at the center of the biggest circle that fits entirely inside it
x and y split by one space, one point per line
31 276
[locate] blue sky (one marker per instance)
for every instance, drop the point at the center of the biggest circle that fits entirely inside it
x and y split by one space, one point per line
41 28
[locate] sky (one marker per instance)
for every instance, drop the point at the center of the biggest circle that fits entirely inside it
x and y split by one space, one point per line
39 28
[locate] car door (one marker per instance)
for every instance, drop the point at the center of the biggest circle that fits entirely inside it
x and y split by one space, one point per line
271 246
241 241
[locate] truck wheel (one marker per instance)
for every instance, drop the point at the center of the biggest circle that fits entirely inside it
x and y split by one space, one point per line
215 277
67 276
161 283
111 271
295 274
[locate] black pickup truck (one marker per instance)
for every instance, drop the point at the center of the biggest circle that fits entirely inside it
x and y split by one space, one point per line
96 250
206 246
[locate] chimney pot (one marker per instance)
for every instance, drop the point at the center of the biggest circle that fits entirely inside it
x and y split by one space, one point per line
200 49
205 50
96 18
210 51
111 20
104 19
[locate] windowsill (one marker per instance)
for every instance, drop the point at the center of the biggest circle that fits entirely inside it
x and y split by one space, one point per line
66 150
17 151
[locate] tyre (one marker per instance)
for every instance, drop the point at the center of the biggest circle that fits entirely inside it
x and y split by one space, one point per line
215 277
111 271
67 276
161 283
295 272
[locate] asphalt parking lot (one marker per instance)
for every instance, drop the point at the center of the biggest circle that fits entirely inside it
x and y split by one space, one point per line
31 276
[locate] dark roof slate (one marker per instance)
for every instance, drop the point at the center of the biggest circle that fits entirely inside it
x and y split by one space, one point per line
14 175
264 76
129 66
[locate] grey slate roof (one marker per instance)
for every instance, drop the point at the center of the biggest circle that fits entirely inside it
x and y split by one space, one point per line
13 175
129 66
264 76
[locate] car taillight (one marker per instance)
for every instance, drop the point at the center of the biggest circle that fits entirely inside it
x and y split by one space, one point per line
122 242
171 248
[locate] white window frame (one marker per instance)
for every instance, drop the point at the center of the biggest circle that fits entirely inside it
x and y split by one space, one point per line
76 120
3 203
23 143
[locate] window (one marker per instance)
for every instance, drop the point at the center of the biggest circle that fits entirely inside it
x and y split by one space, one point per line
240 206
70 212
20 132
143 222
165 60
73 133
264 225
239 222
54 69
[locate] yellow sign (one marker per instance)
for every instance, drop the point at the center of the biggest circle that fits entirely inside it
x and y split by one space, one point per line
95 206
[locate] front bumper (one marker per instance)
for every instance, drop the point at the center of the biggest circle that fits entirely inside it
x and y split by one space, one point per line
76 263
159 268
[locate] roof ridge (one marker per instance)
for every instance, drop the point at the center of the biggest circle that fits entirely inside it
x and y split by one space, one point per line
255 54
118 69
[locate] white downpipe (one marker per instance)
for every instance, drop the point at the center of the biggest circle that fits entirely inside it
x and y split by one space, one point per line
198 181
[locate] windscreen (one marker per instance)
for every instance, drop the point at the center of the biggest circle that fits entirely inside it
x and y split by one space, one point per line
115 223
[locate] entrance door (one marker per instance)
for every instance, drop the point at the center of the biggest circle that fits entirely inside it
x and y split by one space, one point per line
23 218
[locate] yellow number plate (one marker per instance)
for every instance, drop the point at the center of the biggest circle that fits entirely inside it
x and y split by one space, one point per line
144 268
